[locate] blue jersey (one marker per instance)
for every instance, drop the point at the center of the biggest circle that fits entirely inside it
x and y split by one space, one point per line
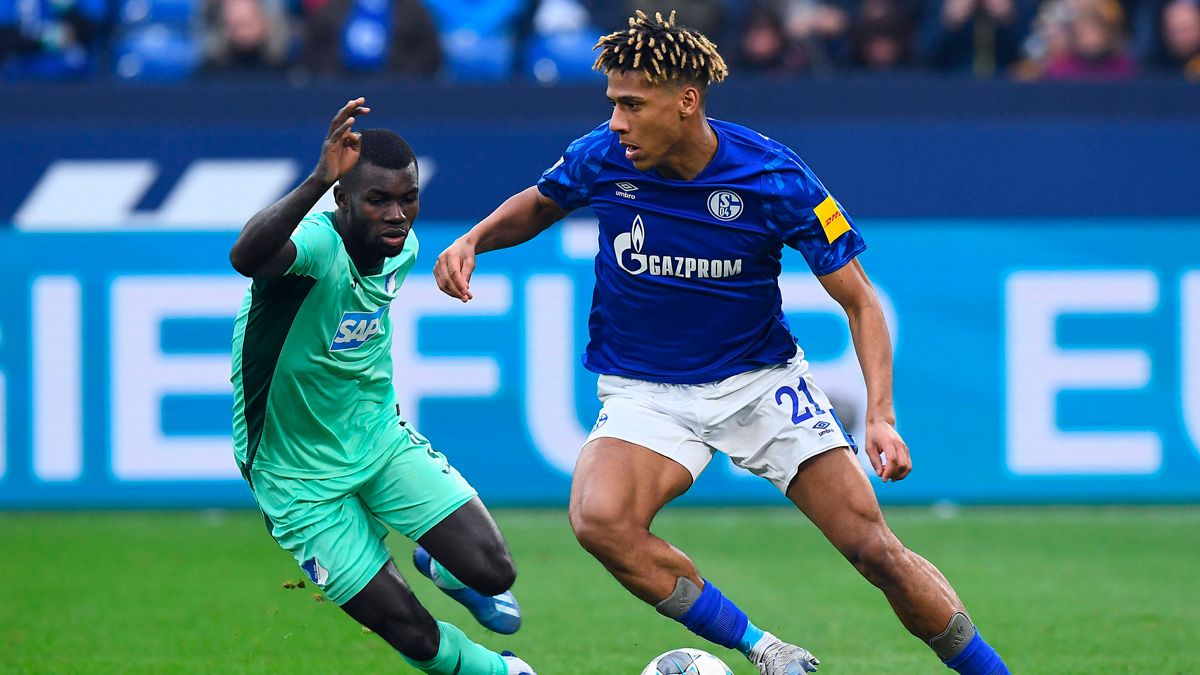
687 276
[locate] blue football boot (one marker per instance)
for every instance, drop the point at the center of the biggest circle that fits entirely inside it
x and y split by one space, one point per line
497 613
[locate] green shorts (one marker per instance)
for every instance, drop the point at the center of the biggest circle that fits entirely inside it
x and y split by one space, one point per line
334 527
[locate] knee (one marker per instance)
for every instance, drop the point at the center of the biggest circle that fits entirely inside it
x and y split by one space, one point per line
878 556
606 536
487 568
497 575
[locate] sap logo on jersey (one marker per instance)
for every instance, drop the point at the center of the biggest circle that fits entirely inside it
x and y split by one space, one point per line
667 265
356 328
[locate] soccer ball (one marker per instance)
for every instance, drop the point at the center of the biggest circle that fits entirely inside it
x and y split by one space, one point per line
686 661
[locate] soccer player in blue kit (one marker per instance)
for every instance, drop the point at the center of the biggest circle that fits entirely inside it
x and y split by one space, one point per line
695 355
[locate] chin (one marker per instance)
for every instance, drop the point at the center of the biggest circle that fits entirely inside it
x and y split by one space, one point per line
390 251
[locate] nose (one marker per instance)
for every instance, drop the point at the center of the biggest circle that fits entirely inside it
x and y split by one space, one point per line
617 124
394 214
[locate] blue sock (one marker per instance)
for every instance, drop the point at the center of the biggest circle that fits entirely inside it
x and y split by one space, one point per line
749 638
716 619
978 658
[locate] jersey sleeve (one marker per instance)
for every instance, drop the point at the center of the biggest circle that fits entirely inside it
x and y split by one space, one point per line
569 182
806 217
316 246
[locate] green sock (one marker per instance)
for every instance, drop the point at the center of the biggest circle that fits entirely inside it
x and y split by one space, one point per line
444 579
457 655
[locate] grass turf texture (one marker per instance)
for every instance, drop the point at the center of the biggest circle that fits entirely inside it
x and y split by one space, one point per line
1057 590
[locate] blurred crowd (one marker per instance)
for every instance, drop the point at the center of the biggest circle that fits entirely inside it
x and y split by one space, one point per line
550 40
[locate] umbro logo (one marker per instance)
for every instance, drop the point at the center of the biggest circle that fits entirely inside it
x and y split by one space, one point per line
821 425
624 188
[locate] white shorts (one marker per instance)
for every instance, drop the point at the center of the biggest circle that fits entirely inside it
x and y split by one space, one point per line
768 421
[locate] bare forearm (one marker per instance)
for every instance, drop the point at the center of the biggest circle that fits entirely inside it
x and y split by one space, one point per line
873 345
268 230
519 219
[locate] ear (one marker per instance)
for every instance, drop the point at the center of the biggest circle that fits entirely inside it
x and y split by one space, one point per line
689 101
340 197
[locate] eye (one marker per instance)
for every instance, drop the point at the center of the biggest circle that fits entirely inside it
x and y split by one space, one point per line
412 199
375 201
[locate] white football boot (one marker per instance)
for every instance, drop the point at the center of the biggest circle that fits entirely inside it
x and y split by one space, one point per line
773 656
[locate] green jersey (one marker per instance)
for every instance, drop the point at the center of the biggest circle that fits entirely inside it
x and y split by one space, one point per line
312 361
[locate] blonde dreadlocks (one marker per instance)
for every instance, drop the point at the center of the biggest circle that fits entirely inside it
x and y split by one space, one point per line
662 51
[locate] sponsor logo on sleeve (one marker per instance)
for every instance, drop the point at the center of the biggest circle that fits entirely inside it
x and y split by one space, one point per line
832 221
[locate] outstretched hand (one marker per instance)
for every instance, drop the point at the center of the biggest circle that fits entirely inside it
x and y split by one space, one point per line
340 151
887 451
453 270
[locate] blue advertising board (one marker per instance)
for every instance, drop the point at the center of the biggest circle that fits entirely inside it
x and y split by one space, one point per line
92 157
1036 361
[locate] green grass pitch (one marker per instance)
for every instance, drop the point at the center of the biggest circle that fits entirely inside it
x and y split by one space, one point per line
1057 590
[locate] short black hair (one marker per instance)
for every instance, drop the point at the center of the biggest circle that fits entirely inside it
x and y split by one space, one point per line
383 148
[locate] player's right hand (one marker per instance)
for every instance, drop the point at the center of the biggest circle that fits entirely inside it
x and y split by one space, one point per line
340 151
453 270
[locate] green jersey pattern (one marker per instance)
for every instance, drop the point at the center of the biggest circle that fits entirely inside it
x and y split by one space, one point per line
312 360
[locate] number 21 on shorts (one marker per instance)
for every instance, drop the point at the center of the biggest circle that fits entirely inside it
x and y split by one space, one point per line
787 391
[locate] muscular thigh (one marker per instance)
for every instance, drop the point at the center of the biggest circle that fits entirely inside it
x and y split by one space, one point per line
621 482
833 491
470 545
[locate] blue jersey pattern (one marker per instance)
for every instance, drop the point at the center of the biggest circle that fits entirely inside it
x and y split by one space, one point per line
687 276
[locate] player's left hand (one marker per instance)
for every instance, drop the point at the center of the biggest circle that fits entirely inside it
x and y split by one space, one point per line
887 451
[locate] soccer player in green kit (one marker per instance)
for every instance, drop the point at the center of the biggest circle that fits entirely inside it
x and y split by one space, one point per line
316 428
